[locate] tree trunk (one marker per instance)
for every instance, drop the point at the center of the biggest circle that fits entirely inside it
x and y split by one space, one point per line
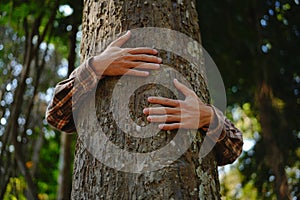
273 155
188 177
66 149
65 167
268 114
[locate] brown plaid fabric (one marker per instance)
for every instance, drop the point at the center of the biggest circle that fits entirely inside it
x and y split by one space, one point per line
229 142
67 94
226 137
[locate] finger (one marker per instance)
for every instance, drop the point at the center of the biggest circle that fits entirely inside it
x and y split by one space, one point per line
133 72
164 118
160 111
182 88
141 50
121 40
169 127
142 57
164 101
142 65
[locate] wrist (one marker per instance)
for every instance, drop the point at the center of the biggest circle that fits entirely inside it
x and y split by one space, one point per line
91 64
209 114
206 116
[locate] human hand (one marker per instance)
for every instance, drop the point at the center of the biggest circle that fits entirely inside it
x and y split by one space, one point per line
190 113
116 61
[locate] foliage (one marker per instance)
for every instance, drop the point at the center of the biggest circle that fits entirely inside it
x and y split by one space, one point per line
256 41
34 43
257 51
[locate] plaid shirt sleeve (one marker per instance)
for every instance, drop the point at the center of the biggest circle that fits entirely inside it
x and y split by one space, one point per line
67 94
227 138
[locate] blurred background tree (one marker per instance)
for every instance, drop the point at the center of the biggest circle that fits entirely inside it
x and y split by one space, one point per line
255 44
37 48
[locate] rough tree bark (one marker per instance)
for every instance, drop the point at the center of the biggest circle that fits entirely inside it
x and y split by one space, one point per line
188 177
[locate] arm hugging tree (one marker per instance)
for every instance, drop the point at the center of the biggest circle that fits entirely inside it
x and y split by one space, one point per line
120 101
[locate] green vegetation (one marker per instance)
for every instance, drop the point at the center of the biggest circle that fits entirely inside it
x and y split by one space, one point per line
255 44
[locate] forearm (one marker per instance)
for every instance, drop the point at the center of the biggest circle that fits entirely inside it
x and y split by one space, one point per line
228 139
59 111
67 94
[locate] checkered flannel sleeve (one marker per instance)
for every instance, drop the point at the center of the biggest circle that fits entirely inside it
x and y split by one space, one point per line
228 139
67 94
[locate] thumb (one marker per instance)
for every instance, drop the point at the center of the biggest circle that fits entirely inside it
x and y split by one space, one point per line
182 88
121 40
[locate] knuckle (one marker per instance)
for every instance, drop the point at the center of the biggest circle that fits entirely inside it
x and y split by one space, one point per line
169 101
145 57
168 110
127 50
125 56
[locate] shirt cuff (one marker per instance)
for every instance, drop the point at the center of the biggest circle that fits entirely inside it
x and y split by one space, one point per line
85 81
85 77
216 130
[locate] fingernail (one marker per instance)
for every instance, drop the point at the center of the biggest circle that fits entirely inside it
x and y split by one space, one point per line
150 98
160 60
149 118
155 51
145 110
160 126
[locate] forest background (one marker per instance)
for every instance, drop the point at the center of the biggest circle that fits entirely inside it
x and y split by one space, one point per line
255 45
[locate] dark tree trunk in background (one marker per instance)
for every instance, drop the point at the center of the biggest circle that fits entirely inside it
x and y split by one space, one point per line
66 149
273 155
187 178
65 167
269 115
9 160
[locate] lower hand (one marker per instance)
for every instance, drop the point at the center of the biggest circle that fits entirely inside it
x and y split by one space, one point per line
179 113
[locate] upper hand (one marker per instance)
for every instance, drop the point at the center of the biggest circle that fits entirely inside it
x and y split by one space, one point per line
115 61
190 113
